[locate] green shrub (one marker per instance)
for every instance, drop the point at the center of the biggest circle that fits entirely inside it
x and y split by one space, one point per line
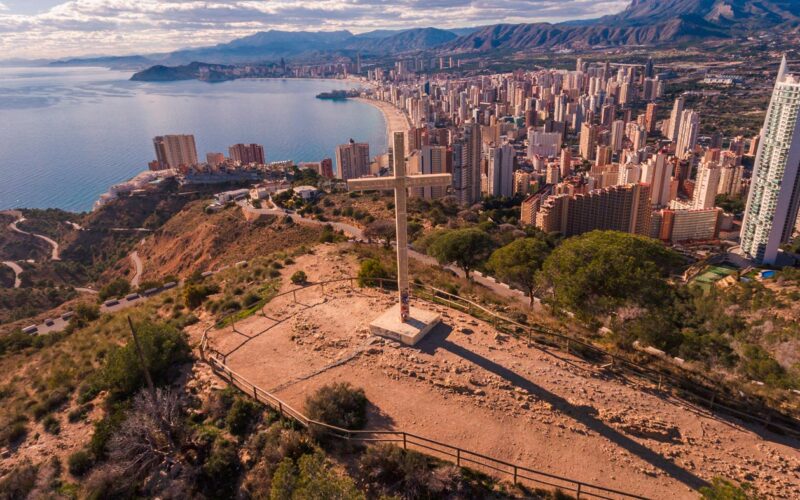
299 278
79 413
370 272
242 415
14 432
51 424
194 295
19 482
53 401
116 288
250 299
312 478
722 489
220 471
79 463
759 365
338 404
15 342
163 348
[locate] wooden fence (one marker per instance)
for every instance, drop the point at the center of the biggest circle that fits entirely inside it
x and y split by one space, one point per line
686 385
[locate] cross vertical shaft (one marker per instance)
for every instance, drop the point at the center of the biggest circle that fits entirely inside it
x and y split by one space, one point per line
401 214
400 183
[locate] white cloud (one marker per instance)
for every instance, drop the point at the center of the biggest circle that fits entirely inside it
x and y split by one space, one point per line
79 27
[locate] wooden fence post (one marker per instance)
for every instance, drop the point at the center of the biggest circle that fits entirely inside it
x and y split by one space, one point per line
578 492
458 457
405 445
515 474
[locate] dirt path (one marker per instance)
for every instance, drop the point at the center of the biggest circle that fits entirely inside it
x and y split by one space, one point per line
469 386
54 254
138 267
17 272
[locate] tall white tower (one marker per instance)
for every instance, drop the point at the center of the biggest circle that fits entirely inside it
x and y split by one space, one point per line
775 187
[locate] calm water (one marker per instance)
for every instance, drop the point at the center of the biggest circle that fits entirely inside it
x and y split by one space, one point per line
66 134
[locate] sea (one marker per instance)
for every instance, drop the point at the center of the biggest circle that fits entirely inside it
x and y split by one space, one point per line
67 134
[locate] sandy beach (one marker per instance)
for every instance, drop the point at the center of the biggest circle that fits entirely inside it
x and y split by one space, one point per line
396 120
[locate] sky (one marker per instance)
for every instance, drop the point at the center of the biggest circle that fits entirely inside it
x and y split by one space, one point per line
31 29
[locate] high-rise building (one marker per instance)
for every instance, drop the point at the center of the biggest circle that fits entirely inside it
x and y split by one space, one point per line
326 168
247 153
432 160
565 162
650 118
706 185
687 135
658 173
352 160
175 151
588 144
772 204
676 226
617 135
501 171
522 183
618 208
541 143
674 125
471 177
730 180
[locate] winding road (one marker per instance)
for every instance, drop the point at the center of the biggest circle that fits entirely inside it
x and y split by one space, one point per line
137 267
54 255
17 272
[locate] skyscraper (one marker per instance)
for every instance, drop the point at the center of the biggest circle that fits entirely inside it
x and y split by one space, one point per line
432 160
675 119
706 185
501 171
617 135
650 118
658 173
471 177
174 151
588 141
247 153
775 186
352 159
687 135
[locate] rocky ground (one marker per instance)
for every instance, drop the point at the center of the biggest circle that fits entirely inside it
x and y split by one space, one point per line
469 386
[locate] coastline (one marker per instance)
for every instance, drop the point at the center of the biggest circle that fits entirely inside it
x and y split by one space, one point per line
396 120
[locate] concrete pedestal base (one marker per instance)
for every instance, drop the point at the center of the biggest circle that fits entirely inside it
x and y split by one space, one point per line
419 323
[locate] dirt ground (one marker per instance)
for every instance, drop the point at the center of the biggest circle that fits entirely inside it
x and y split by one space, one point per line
469 386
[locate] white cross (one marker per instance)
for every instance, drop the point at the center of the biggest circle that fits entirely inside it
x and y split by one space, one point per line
400 184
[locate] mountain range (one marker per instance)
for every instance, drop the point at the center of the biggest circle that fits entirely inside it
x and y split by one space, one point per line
643 22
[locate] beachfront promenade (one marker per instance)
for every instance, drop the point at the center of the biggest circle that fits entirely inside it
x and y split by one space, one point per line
396 119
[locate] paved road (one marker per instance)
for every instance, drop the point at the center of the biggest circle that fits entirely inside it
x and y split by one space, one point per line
54 255
17 272
500 289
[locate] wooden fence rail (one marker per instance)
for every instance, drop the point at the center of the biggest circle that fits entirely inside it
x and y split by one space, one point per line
689 386
460 456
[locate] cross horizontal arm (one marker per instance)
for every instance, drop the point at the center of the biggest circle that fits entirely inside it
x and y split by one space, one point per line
372 183
429 180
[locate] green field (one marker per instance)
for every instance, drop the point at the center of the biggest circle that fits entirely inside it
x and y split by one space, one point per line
711 275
